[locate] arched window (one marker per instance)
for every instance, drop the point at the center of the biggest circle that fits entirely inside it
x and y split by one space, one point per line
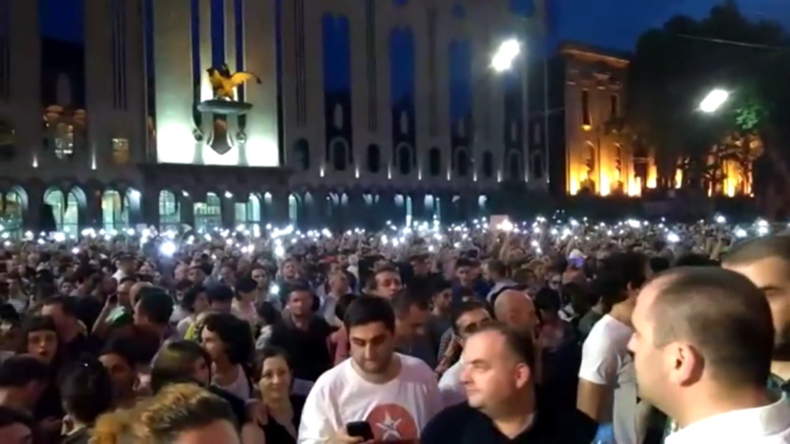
293 209
12 209
302 154
248 213
488 164
208 214
339 155
65 209
434 162
169 211
404 159
374 159
462 162
115 211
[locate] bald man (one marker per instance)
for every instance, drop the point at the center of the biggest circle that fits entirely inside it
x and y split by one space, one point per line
516 309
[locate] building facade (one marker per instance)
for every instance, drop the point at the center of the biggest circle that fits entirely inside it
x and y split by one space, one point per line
598 158
141 152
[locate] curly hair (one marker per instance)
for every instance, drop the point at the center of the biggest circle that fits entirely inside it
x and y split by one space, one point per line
161 419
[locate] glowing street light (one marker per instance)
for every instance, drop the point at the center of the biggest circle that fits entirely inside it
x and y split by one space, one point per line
714 100
505 55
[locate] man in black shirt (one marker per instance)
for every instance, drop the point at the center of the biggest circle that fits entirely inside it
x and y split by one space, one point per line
503 405
73 341
303 335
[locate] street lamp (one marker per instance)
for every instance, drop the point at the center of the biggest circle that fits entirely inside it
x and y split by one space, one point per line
714 100
505 55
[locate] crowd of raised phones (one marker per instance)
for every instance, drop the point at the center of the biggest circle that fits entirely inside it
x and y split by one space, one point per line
621 346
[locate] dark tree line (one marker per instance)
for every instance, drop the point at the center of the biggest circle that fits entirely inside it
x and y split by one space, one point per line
676 66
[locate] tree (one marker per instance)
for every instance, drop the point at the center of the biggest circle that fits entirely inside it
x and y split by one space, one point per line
676 65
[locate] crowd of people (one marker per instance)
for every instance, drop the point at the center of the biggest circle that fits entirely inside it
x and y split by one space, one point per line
556 331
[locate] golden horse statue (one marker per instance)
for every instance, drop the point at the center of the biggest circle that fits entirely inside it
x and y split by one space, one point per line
224 83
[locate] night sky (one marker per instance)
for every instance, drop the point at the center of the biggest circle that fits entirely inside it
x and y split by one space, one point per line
608 23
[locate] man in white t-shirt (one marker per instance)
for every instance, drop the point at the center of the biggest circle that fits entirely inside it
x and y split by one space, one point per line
396 395
607 380
466 319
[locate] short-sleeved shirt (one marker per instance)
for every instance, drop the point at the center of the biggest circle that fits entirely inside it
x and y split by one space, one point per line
606 361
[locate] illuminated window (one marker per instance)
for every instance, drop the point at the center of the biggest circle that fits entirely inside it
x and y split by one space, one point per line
120 151
586 121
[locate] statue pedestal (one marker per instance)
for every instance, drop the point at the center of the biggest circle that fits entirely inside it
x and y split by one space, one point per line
225 107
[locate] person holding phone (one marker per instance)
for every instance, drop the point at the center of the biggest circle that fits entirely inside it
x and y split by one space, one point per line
378 394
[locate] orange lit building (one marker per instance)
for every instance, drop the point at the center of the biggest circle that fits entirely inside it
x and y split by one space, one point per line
597 159
600 160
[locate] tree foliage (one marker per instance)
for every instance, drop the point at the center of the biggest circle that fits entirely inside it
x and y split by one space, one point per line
675 66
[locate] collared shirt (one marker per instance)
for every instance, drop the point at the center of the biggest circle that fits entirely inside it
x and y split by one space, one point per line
778 386
762 425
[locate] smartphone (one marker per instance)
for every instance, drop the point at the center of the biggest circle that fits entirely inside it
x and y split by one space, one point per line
360 429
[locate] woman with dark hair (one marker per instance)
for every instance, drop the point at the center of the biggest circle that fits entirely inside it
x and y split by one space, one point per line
87 392
228 340
276 417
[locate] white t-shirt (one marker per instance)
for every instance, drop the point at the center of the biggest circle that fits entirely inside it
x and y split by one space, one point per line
450 386
240 387
606 361
396 411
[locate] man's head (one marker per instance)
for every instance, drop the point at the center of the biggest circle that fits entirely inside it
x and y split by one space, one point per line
370 323
338 282
196 274
420 265
468 317
23 378
517 310
16 427
118 357
441 295
289 270
126 263
548 302
766 262
154 308
300 301
411 314
498 368
620 277
463 271
386 281
63 310
700 331
496 270
220 298
246 289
